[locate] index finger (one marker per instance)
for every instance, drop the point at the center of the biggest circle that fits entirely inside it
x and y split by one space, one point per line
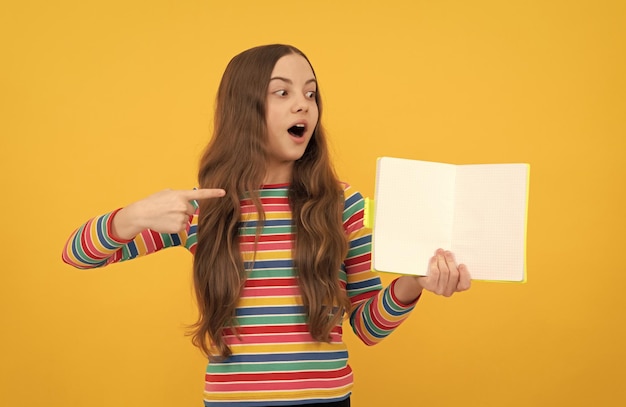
202 193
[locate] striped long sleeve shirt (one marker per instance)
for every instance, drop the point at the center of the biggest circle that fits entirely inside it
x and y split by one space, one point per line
275 361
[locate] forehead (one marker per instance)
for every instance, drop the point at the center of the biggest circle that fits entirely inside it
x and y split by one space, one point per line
293 66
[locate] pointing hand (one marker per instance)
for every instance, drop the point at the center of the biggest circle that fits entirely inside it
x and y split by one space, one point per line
166 211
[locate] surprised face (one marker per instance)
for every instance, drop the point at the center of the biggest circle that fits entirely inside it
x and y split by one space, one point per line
291 114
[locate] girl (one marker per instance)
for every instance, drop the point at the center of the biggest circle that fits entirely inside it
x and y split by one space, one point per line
280 251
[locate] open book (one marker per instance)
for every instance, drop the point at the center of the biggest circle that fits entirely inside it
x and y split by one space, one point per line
476 211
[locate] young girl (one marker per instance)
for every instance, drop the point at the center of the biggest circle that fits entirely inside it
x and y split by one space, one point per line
280 251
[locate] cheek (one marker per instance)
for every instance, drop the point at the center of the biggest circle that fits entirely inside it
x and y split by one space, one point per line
270 119
316 113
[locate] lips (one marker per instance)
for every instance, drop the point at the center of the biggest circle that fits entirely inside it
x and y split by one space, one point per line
297 130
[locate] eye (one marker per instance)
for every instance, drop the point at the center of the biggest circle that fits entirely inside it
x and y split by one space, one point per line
310 94
281 92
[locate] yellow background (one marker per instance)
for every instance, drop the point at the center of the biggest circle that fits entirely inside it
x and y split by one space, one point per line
104 102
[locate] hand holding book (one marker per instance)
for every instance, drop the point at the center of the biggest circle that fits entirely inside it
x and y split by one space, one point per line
444 277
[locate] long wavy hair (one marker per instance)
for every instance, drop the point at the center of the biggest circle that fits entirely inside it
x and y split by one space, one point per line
235 160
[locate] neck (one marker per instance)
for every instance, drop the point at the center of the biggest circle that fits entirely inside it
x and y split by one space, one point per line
278 173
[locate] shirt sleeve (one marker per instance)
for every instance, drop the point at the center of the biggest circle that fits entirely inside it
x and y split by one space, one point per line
375 311
93 244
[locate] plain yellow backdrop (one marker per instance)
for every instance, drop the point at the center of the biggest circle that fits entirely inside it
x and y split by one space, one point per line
104 102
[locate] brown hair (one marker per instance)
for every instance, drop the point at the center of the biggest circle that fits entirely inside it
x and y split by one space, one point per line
235 160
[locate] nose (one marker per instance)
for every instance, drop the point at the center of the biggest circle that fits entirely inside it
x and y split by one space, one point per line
301 104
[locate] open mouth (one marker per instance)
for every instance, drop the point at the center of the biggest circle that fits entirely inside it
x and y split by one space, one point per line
297 130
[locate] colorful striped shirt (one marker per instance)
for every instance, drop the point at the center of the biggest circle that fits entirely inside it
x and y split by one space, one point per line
275 360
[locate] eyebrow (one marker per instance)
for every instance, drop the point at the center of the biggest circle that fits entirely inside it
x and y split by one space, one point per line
289 81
